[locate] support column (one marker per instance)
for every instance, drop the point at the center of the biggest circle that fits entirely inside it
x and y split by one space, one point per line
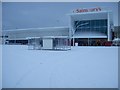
88 42
109 29
14 41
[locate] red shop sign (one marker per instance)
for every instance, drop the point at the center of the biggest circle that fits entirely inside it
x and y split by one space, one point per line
87 10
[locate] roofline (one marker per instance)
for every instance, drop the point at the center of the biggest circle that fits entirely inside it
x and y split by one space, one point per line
72 14
48 37
34 28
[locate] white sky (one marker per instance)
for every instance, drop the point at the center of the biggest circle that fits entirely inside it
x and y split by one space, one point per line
39 14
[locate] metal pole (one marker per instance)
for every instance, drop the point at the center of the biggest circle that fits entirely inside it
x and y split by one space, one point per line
73 41
88 41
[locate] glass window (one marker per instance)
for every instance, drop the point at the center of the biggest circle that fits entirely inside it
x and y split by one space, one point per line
92 25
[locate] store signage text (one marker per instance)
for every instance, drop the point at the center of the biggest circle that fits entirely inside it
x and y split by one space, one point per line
87 10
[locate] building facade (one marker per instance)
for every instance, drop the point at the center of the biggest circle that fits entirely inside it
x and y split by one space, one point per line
39 38
86 27
91 26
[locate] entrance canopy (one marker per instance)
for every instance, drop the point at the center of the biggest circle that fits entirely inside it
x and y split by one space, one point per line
89 15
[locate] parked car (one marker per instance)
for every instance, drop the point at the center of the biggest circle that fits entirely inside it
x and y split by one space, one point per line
116 42
108 43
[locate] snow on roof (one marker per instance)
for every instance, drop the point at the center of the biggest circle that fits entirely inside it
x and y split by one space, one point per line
48 37
45 28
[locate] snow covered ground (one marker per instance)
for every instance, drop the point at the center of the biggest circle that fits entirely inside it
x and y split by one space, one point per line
80 67
0 67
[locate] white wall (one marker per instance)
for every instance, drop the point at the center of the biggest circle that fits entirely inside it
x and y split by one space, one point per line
47 43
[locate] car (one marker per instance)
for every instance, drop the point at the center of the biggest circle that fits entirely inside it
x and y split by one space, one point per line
116 42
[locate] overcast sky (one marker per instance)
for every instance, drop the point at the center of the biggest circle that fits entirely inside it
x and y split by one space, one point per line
38 14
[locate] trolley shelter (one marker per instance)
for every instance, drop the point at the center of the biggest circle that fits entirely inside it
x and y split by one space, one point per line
49 43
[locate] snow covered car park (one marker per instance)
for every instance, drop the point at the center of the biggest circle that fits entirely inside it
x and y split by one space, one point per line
80 67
